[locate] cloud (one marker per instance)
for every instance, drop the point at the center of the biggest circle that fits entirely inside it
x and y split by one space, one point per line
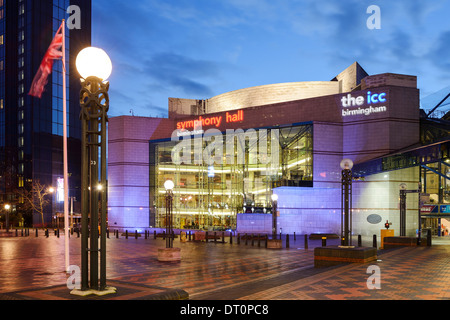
182 73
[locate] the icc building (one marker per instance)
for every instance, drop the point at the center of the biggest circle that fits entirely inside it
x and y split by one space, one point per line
227 155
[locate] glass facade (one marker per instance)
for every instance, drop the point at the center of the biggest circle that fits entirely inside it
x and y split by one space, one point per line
59 13
209 196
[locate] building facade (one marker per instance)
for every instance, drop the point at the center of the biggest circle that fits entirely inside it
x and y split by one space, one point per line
31 129
229 154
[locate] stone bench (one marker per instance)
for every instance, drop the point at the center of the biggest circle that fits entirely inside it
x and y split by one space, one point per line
396 242
319 236
335 255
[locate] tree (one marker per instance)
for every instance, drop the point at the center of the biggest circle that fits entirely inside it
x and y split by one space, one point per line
37 199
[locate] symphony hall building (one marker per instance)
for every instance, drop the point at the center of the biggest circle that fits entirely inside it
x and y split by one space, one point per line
227 155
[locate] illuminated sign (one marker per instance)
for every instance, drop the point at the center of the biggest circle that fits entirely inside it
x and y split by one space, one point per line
60 190
211 121
372 102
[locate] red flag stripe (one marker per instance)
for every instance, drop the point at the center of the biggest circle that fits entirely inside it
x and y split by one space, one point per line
53 53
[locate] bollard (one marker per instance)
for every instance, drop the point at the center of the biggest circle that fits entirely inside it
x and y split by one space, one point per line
215 234
126 234
107 233
374 241
46 233
57 233
287 241
22 232
36 233
206 236
17 233
164 235
135 234
267 238
189 236
259 240
145 233
246 239
306 241
359 241
295 238
154 234
429 238
223 237
253 241
324 241
231 237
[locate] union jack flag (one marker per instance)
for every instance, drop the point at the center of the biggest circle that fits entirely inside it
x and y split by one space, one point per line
53 53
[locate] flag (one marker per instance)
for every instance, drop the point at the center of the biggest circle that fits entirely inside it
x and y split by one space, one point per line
53 53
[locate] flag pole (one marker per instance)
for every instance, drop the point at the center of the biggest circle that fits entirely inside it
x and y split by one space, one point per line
66 175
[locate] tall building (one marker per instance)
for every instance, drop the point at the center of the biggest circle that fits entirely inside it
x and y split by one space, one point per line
31 129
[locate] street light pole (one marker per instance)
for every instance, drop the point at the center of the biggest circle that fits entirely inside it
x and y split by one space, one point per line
94 66
169 185
7 208
346 202
274 215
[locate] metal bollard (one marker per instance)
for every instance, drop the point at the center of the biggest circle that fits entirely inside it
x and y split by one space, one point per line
267 238
374 241
189 236
126 234
231 237
359 241
57 233
206 236
135 234
287 241
295 238
215 236
259 240
154 234
306 241
324 241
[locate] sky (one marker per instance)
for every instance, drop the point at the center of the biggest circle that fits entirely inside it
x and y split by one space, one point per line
197 49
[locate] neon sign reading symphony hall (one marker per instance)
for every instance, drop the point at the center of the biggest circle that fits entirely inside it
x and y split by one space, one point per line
211 121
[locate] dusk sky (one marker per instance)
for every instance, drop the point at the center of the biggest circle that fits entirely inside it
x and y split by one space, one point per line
198 49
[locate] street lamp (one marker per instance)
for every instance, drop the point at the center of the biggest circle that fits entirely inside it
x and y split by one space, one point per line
274 215
94 66
346 201
7 208
169 185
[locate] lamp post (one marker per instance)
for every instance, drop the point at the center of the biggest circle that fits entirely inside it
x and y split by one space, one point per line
274 215
7 208
169 185
346 202
94 66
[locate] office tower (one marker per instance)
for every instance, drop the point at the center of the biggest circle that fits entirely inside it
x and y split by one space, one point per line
31 129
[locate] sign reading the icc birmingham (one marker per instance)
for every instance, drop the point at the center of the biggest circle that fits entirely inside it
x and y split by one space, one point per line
372 102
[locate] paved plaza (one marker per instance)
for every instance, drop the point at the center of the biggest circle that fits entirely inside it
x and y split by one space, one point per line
31 267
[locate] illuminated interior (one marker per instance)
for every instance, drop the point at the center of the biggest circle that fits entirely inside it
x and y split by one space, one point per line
210 197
